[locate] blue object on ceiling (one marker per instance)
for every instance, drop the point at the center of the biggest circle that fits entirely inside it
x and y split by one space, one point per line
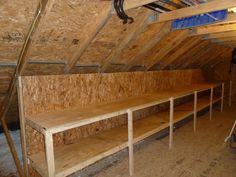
199 20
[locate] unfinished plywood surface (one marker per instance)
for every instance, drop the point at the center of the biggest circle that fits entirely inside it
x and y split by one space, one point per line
73 90
67 27
15 20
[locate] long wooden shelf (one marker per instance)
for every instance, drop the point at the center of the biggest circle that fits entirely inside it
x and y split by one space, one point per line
71 158
61 120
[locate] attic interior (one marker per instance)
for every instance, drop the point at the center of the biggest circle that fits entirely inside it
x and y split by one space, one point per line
111 88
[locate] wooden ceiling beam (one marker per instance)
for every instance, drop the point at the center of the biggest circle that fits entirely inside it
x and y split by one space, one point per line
186 58
204 55
217 57
220 35
163 29
180 51
218 52
197 9
214 29
134 30
93 28
198 55
158 56
227 39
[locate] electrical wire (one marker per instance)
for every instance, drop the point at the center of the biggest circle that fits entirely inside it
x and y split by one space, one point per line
119 7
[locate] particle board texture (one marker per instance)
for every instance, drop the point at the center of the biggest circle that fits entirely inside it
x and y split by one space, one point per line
58 92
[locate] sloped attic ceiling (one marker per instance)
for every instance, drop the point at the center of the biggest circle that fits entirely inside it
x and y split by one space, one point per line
81 36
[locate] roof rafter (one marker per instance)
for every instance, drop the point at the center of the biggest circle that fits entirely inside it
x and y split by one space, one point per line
133 31
93 28
164 50
182 49
163 29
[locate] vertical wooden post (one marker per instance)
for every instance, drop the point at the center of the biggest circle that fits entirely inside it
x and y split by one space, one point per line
211 102
130 142
171 122
222 97
230 92
50 154
195 112
22 125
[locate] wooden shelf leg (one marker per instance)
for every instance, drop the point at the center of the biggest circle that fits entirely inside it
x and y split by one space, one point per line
211 103
171 122
130 142
230 92
222 97
50 154
195 112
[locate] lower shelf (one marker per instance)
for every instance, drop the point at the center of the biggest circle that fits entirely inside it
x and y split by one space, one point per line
71 158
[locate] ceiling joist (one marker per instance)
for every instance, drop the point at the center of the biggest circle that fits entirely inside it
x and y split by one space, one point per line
197 9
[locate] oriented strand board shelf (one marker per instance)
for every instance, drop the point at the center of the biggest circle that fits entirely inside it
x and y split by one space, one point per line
71 158
61 120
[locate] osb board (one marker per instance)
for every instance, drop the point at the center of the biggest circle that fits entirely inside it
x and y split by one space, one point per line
15 20
109 37
61 32
42 93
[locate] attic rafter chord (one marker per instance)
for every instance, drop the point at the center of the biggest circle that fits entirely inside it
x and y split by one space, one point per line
160 54
214 29
133 31
220 35
186 58
197 9
182 49
93 28
163 29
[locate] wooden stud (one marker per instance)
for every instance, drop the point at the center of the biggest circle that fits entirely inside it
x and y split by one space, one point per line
171 127
195 112
211 102
230 92
130 142
22 126
222 97
49 154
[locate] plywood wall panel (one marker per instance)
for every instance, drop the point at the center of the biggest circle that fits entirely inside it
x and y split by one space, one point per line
44 93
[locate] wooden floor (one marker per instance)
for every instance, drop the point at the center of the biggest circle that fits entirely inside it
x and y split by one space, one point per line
194 155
